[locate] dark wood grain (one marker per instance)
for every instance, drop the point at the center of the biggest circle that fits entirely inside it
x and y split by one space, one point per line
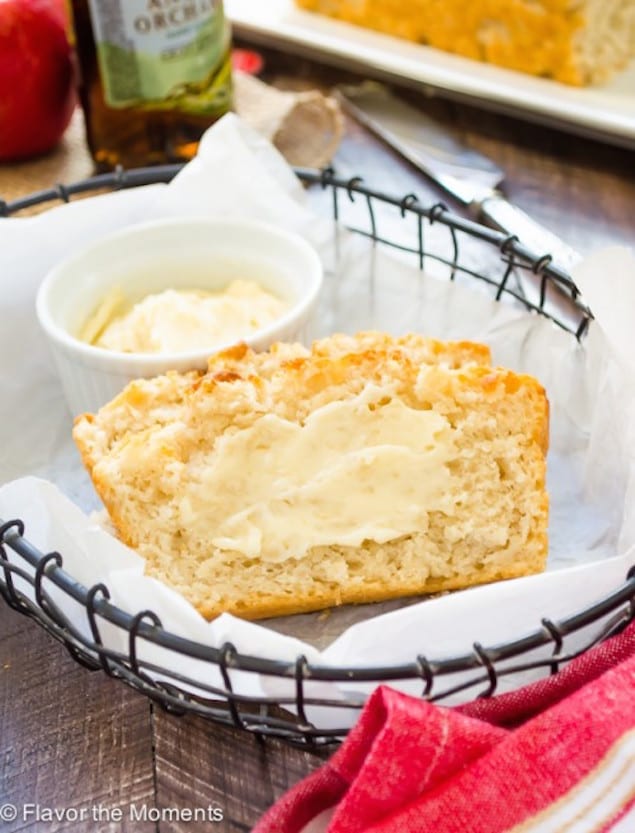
201 765
70 738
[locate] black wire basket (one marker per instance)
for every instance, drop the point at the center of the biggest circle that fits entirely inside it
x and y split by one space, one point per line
33 582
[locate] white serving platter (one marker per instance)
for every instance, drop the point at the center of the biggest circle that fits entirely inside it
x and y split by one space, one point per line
605 112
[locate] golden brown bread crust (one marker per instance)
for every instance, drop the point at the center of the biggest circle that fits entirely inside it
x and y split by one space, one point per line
156 424
273 606
240 367
577 43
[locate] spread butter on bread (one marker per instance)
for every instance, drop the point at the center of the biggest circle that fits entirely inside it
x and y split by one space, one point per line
365 468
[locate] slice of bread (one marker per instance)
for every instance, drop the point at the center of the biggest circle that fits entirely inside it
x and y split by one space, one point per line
577 42
365 469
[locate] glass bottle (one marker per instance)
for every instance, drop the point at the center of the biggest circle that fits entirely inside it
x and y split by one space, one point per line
154 74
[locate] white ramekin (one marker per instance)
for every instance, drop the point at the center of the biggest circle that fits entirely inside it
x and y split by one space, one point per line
182 253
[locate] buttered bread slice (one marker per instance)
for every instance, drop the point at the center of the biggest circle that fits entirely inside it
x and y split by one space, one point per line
364 469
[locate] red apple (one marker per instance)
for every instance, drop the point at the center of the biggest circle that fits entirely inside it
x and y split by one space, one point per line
37 91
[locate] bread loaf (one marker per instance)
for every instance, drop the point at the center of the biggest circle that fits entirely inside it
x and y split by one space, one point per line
364 469
577 42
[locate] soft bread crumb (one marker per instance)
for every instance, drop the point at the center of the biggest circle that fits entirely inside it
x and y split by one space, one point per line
149 446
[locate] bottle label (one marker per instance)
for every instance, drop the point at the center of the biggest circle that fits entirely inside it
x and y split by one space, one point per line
164 54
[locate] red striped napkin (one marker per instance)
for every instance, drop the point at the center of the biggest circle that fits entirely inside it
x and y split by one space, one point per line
558 755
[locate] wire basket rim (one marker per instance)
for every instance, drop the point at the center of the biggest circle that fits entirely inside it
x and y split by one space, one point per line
145 624
51 566
510 246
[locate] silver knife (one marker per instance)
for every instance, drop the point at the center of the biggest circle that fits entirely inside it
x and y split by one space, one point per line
469 176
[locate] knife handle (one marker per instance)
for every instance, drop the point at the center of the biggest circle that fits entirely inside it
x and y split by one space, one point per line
512 220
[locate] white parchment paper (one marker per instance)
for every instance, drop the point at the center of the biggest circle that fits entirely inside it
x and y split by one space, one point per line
590 466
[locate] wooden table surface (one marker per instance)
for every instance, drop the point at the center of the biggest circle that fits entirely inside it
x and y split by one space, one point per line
70 738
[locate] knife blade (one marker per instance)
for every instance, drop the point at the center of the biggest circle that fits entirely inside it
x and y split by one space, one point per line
470 177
